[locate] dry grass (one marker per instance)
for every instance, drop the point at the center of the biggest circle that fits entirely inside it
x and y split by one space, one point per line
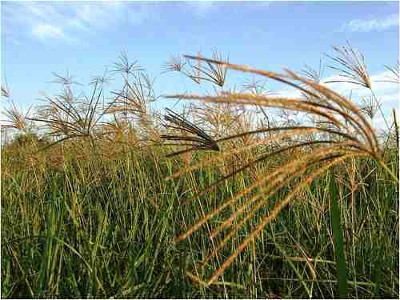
209 72
67 117
351 65
349 135
17 118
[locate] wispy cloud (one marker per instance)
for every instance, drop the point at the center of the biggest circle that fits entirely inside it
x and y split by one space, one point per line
68 22
373 24
46 31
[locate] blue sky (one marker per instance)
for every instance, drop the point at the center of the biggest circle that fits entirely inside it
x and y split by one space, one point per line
85 37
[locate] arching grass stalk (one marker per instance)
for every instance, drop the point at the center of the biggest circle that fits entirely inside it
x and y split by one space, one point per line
347 134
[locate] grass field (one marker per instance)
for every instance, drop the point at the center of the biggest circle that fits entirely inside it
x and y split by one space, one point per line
97 209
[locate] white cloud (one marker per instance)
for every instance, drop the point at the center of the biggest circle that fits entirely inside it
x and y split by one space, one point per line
46 31
373 24
100 15
68 21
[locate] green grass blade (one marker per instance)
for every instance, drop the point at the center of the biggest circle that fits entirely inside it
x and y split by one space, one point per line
338 240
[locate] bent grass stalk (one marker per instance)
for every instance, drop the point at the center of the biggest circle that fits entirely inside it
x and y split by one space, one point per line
286 168
227 222
270 217
350 136
290 134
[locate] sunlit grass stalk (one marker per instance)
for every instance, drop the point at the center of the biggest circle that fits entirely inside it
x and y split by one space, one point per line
273 187
271 216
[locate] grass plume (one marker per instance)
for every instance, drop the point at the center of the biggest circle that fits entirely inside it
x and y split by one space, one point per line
352 136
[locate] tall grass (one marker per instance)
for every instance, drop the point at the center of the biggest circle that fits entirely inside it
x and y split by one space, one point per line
101 206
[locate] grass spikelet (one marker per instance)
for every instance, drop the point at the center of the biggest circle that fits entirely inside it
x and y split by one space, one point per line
315 75
209 72
67 119
213 73
198 138
351 66
175 63
16 118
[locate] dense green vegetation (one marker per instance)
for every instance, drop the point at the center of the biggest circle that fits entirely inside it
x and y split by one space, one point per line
85 226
